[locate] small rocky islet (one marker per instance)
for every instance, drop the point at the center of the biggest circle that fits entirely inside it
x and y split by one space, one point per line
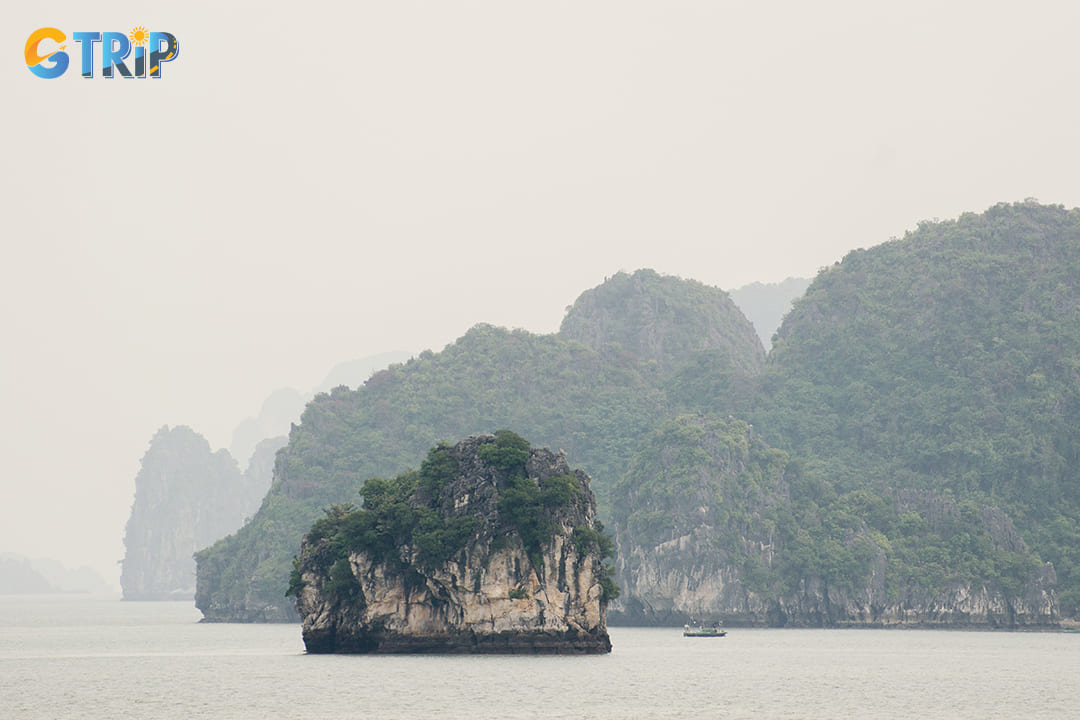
492 546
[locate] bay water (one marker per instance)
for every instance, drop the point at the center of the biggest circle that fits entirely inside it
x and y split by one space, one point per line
80 657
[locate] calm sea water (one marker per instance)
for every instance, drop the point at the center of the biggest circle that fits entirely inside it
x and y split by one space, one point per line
71 657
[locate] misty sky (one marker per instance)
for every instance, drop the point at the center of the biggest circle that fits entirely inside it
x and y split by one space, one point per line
309 183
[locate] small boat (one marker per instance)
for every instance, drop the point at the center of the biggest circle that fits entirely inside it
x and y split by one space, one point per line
694 629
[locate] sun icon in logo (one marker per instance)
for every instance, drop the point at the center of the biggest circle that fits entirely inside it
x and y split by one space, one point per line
139 36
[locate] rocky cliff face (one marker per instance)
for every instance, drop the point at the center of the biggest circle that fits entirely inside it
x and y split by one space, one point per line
517 566
186 497
686 578
710 523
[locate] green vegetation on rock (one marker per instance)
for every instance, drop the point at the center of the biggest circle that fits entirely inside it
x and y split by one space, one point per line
946 364
393 517
922 398
414 522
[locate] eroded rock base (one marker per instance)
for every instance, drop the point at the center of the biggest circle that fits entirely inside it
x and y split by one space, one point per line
526 643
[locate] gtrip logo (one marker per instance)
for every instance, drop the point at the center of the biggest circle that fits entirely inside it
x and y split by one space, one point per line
46 58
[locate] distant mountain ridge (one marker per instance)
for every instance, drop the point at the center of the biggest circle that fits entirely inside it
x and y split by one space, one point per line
284 406
766 304
17 577
20 575
188 496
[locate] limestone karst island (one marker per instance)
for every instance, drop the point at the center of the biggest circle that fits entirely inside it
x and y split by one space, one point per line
905 453
492 546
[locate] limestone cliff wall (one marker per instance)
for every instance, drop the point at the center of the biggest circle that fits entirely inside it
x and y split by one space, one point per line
464 606
686 578
186 497
708 526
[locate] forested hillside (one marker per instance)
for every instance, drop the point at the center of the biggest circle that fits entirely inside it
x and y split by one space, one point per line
594 390
946 362
927 392
712 522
